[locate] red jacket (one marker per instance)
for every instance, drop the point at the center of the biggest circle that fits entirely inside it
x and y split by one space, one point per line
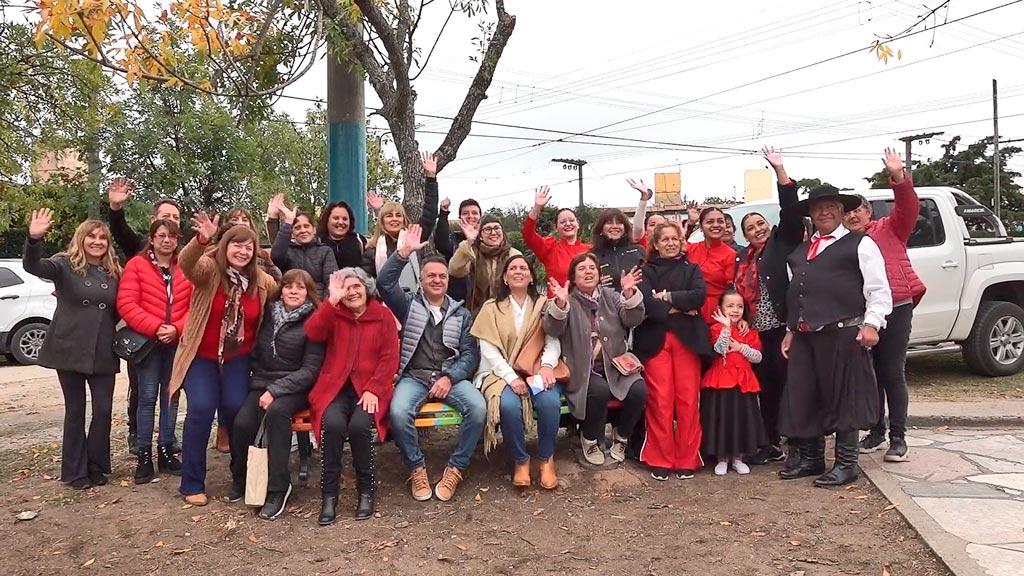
891 234
363 350
142 296
554 254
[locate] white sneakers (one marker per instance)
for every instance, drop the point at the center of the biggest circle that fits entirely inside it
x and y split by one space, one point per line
737 464
592 451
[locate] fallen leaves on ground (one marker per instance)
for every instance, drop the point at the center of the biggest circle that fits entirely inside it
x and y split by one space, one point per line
88 562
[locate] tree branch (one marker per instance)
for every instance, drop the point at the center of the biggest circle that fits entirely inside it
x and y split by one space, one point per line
392 43
353 35
463 122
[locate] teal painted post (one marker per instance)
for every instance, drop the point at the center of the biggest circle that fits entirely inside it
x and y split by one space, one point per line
346 139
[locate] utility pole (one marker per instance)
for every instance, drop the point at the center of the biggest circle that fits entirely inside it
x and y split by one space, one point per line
346 138
576 165
908 140
996 194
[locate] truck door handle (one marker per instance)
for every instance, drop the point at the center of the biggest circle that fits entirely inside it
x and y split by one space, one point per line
949 265
10 297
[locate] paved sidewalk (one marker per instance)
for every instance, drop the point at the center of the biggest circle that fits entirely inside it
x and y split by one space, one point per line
963 491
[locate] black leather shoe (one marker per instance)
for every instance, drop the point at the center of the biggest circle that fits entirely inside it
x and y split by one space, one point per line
81 484
845 469
175 447
810 462
97 478
144 472
897 451
365 508
328 510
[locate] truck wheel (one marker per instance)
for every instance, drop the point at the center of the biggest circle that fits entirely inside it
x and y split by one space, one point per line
995 346
27 342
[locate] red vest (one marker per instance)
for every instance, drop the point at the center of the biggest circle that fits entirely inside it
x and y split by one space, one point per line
903 281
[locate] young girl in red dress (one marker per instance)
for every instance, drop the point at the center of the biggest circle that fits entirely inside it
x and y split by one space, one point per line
729 413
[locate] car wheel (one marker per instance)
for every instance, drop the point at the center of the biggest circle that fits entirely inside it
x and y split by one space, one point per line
27 342
995 346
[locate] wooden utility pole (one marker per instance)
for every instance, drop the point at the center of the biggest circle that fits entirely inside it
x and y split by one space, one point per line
576 165
908 140
996 193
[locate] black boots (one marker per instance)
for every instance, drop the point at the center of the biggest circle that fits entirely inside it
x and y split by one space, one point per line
328 510
144 472
365 508
810 460
168 462
845 469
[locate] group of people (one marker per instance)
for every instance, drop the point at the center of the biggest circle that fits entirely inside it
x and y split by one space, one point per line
688 349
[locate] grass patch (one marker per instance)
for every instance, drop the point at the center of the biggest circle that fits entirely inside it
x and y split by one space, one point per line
945 377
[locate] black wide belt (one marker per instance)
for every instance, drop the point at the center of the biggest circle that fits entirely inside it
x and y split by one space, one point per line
847 323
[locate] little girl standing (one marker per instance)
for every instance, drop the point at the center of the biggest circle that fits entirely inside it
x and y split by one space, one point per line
729 412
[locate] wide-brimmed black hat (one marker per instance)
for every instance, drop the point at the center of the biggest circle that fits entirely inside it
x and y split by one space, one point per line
826 191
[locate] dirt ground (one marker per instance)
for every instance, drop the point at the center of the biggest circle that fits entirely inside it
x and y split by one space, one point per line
610 521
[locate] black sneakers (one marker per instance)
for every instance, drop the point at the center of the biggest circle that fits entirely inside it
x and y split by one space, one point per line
897 451
659 474
237 492
684 474
275 504
871 442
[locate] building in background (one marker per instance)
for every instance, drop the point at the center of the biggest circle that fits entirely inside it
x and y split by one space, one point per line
68 162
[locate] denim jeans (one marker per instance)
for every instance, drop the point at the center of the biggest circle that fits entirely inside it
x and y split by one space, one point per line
410 394
154 374
210 388
548 404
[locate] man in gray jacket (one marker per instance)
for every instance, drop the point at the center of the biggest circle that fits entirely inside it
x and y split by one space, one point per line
437 359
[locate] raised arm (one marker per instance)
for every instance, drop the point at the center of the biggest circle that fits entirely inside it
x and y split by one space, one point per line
538 245
195 265
32 257
428 217
279 250
907 207
791 224
641 209
126 239
443 232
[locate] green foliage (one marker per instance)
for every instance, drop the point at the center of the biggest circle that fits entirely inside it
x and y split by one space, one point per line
970 168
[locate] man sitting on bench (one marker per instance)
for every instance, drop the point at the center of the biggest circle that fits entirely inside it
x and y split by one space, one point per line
438 356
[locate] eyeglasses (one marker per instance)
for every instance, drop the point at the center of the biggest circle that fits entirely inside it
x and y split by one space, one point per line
491 229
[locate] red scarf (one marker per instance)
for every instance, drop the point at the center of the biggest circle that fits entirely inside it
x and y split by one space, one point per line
748 281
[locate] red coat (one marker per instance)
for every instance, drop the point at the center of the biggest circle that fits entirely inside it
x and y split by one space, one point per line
891 234
363 350
142 296
733 369
718 265
554 254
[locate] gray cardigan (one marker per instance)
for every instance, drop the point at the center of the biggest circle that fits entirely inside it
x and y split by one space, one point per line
80 337
616 316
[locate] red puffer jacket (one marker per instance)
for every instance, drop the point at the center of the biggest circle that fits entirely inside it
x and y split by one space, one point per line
891 234
142 296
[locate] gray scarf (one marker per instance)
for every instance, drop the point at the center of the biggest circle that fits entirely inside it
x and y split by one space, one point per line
279 316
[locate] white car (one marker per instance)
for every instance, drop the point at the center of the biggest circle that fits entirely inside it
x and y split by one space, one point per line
26 308
973 269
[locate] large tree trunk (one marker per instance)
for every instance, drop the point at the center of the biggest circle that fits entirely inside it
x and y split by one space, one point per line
403 129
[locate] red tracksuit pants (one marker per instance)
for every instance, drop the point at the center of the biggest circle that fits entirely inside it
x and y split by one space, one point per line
673 411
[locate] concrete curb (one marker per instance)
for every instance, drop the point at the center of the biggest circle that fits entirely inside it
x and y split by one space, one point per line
933 420
950 549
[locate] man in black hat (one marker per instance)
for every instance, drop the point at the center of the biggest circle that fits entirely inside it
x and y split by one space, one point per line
837 301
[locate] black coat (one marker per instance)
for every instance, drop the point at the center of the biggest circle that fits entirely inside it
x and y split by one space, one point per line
771 265
685 284
618 257
80 337
295 366
446 242
314 257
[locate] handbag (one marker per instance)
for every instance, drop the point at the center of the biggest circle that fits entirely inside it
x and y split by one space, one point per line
527 363
627 364
131 346
257 473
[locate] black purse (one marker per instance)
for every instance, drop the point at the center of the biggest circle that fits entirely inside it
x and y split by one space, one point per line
131 346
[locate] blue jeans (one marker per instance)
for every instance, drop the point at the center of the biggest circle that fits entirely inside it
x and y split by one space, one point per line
154 374
410 394
210 388
548 404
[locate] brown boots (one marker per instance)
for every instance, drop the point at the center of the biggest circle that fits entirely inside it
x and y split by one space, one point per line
521 474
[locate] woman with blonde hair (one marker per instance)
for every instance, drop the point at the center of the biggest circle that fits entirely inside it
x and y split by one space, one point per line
79 342
392 222
229 295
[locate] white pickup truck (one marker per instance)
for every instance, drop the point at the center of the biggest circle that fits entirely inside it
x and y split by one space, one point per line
973 270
